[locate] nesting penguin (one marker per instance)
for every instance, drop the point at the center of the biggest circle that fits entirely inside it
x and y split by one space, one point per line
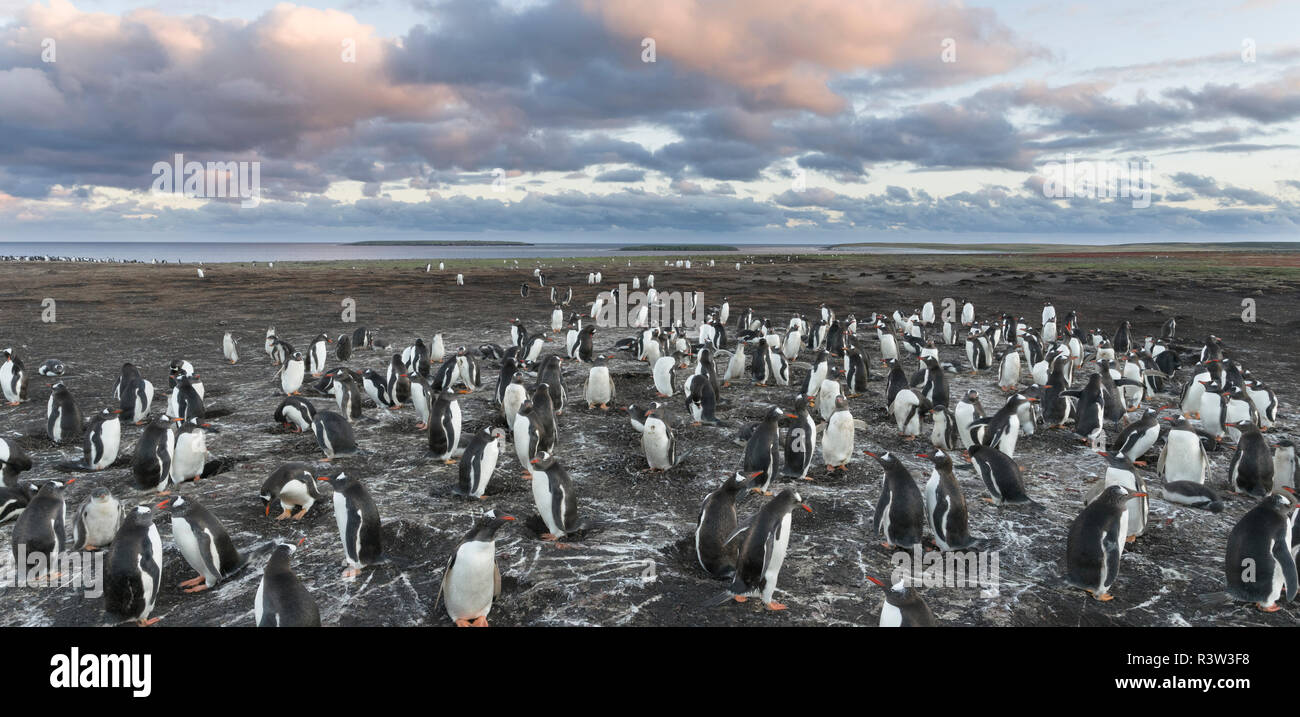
97 520
281 599
204 543
763 551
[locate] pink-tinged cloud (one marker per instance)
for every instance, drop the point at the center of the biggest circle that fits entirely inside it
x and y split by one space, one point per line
784 52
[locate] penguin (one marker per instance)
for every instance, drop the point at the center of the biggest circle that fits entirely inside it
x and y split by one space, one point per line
856 373
281 350
658 442
1002 429
945 506
151 465
1214 409
554 497
933 387
583 350
1138 437
837 441
907 409
96 521
52 368
512 397
663 374
14 500
761 454
334 435
1182 458
903 606
13 380
800 441
1265 402
1009 371
185 401
362 338
968 411
294 485
269 345
532 349
204 543
135 401
900 509
763 551
1285 464
191 451
415 359
343 347
1096 542
825 397
1090 408
467 371
529 436
600 390
377 389
1259 566
358 523
342 384
472 579
943 435
735 366
1001 475
1193 494
1251 468
103 437
444 427
896 380
281 599
550 374
13 461
479 462
134 566
38 532
421 397
1119 471
63 419
295 413
398 382
716 523
291 374
180 368
229 349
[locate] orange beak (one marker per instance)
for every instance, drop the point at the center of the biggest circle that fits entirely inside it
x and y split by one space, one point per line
163 504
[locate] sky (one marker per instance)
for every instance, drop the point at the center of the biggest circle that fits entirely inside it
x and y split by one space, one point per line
690 119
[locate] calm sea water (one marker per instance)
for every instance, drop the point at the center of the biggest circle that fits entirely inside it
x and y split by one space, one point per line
223 252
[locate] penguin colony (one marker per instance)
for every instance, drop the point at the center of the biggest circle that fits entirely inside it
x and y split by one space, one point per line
1147 414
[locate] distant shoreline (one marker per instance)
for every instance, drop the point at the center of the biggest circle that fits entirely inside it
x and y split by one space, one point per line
438 242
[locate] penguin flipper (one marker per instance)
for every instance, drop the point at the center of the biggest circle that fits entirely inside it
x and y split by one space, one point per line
496 580
1283 557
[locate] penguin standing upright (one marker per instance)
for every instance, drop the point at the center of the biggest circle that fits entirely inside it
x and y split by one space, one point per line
1251 468
512 397
599 390
334 435
204 543
1138 437
38 537
1285 464
134 566
190 454
1119 471
63 419
135 400
281 599
467 371
549 373
967 411
13 379
1259 565
472 579
1096 542
229 348
96 521
291 374
1182 458
659 442
479 462
761 453
837 441
151 465
945 506
903 606
763 551
398 382
900 509
800 442
553 494
444 427
358 523
1001 475
186 402
102 439
714 550
343 347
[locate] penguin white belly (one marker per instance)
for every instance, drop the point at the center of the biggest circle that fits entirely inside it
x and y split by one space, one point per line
542 499
510 403
931 500
521 440
736 366
110 437
1010 374
102 522
469 592
1007 444
890 615
188 542
291 377
258 610
1183 458
1284 468
1211 420
598 385
888 347
487 466
557 320
146 580
655 445
294 492
779 545
191 453
350 552
663 382
837 443
318 358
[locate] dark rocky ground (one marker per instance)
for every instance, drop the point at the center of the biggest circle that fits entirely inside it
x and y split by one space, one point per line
636 563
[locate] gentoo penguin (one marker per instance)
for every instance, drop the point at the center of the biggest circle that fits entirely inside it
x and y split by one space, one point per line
943 435
467 371
269 345
204 543
716 524
281 599
1182 458
599 390
291 374
472 579
968 410
1138 437
1265 402
295 413
103 437
62 417
900 509
13 460
13 380
128 374
658 442
763 551
180 368
135 400
134 568
1213 410
1251 469
529 434
583 349
532 349
1001 475
1009 370
294 485
460 280
800 441
185 401
761 454
378 390
358 523
444 427
38 533
1259 565
229 348
856 374
513 396
51 368
903 606
151 465
343 347
663 374
398 382
14 499
549 373
190 452
824 398
96 521
421 396
1002 429
1091 407
735 366
945 506
1285 464
1096 542
1190 493
907 408
334 435
1119 471
837 441
554 497
362 338
479 462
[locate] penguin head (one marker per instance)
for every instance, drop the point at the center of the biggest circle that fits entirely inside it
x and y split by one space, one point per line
486 527
57 386
337 482
9 354
1116 495
775 413
1280 503
101 495
297 356
544 461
